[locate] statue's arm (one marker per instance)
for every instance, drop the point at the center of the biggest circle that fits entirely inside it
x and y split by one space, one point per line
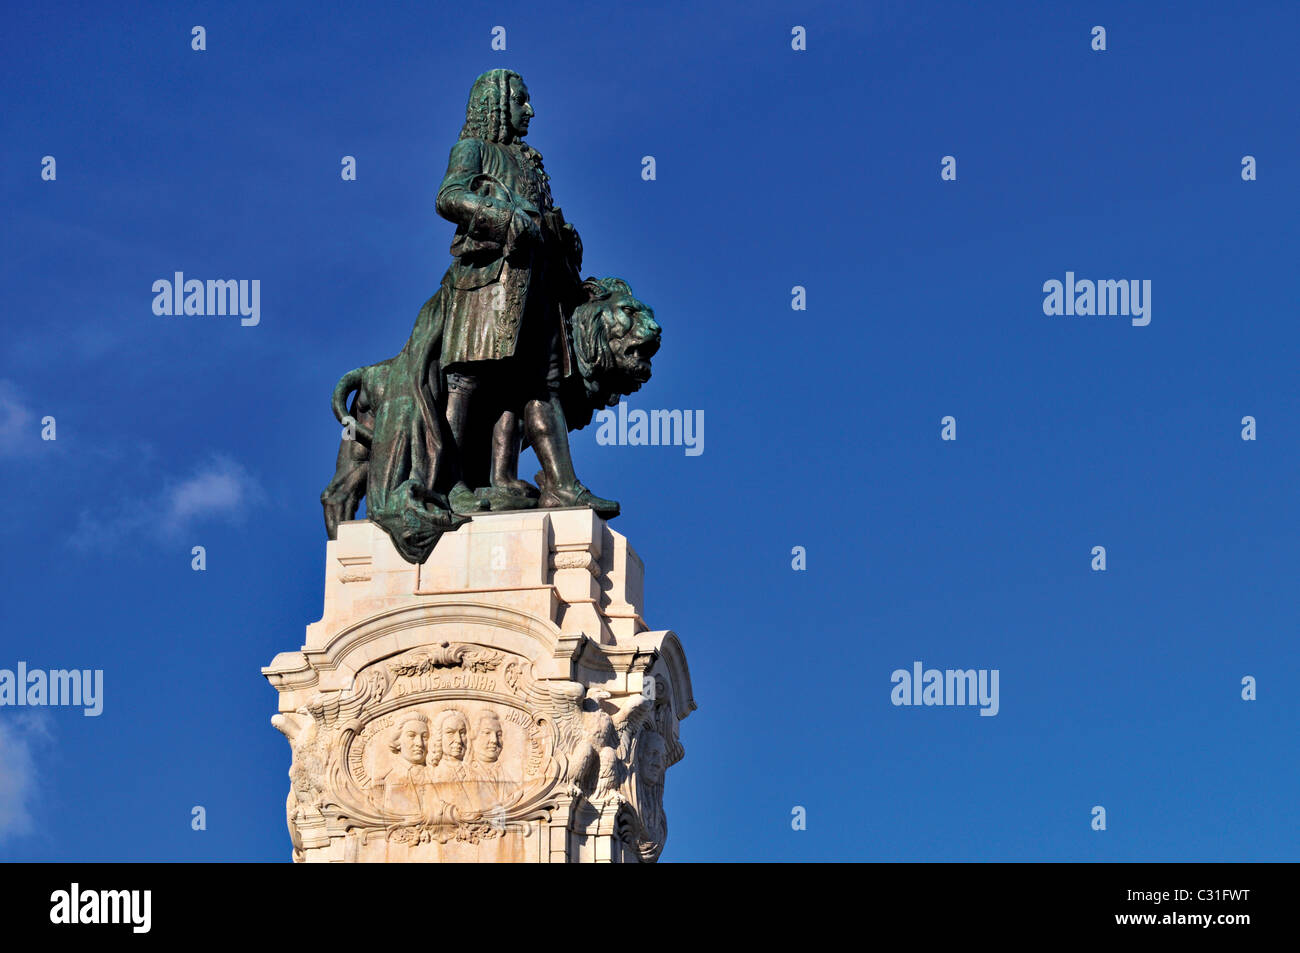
569 247
569 239
484 217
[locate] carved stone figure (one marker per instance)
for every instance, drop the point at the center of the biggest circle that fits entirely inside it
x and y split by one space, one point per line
451 776
493 787
651 764
513 347
407 789
306 774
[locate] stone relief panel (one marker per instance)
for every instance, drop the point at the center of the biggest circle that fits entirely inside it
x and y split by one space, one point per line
459 743
448 763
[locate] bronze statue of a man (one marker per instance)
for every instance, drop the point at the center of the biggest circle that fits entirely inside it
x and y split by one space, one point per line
516 276
434 434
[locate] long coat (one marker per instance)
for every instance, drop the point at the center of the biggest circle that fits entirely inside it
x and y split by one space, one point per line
498 280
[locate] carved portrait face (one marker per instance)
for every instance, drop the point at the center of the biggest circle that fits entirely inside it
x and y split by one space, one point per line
413 740
519 109
652 757
487 740
410 738
455 735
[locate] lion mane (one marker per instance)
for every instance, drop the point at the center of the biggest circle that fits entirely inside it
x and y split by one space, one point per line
615 336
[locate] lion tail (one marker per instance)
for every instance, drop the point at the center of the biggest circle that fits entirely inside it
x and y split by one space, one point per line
347 385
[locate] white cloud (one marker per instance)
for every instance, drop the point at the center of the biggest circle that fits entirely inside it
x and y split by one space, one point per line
19 735
219 489
15 420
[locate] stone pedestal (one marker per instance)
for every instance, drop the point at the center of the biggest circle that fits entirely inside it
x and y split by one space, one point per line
504 701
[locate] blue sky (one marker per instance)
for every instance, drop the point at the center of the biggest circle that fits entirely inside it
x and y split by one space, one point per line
775 168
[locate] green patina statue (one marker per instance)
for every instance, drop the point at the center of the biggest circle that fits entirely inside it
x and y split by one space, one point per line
514 347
